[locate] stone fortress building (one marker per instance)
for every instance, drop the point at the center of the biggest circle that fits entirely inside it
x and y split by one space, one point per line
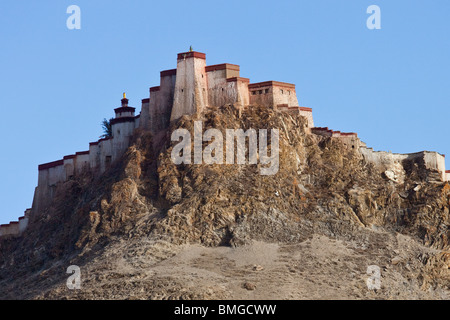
191 88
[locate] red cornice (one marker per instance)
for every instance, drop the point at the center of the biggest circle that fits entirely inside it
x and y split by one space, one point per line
167 73
223 66
125 109
49 165
234 79
271 84
193 54
122 120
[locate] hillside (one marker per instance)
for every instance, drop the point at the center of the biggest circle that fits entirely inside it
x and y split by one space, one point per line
149 229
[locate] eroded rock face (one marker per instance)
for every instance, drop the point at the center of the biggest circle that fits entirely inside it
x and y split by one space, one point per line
147 212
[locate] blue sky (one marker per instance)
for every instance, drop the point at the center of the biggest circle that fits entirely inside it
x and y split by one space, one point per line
391 86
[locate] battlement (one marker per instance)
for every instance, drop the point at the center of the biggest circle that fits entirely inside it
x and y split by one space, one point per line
222 66
169 73
271 84
50 165
191 54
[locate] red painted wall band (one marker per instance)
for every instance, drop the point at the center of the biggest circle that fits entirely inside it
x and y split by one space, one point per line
223 66
167 73
193 54
49 165
235 79
271 84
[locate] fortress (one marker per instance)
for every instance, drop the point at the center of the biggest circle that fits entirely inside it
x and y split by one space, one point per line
191 88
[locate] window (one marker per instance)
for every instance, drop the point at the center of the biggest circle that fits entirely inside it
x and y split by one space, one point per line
260 92
182 90
253 92
108 161
267 91
281 91
289 92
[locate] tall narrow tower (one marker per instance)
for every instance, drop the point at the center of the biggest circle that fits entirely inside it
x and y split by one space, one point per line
190 94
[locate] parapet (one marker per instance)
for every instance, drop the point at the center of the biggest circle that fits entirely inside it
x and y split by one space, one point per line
230 70
50 165
15 228
168 73
271 84
191 54
236 79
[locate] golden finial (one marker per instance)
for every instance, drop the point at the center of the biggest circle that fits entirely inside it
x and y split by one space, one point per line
190 49
124 95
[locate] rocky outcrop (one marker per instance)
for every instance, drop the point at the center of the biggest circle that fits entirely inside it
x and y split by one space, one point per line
136 229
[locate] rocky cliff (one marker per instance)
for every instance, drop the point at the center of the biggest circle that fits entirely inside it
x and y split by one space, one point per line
150 229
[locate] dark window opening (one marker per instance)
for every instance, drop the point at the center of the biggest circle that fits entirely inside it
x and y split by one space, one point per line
260 92
267 91
108 161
